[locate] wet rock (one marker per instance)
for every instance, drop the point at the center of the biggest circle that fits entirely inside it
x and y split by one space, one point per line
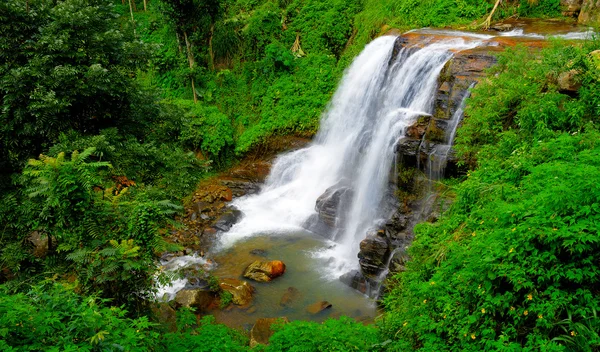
200 207
261 331
289 297
241 291
332 203
502 27
356 280
165 315
39 243
318 307
589 13
570 8
568 82
227 219
259 252
264 271
196 298
417 129
374 251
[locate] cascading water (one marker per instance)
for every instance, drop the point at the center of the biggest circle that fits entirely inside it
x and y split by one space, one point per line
378 98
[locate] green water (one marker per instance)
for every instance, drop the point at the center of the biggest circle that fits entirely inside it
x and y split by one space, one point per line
303 272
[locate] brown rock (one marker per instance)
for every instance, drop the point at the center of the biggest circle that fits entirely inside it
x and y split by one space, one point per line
289 297
40 244
261 331
165 315
264 271
318 307
240 290
570 8
590 12
567 82
197 298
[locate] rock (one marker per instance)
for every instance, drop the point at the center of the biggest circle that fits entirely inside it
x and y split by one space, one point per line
589 13
318 307
241 291
204 217
264 271
374 252
568 83
417 129
502 27
261 331
200 207
356 280
570 8
165 315
259 252
332 203
289 297
227 219
40 244
197 298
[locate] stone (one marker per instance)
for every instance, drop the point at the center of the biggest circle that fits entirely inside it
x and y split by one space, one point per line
318 307
263 271
502 27
568 83
374 251
589 13
165 315
289 297
332 203
200 207
417 129
40 244
356 280
197 298
570 8
259 252
227 219
261 331
241 291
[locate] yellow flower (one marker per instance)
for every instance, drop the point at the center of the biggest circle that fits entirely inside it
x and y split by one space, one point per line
526 312
424 301
473 336
529 297
482 310
405 323
573 333
512 308
540 316
511 250
444 316
514 229
473 234
481 223
432 283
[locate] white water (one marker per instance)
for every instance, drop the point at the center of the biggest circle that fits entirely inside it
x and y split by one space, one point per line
375 102
167 292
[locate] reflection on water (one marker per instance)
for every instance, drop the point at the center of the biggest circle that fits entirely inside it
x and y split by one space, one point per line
304 272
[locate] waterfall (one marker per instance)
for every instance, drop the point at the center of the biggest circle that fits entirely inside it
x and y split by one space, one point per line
380 95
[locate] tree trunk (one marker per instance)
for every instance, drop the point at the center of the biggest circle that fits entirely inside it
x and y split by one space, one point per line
134 7
190 57
145 5
486 24
178 42
131 12
210 47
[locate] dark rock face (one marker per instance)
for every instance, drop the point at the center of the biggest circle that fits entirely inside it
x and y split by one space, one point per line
331 207
227 219
570 8
196 298
374 251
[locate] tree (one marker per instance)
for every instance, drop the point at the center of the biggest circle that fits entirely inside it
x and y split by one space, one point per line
64 65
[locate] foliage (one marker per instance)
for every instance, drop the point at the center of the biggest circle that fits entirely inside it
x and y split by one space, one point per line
512 265
208 336
53 318
343 334
63 65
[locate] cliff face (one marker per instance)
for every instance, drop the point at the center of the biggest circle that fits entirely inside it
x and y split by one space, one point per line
589 12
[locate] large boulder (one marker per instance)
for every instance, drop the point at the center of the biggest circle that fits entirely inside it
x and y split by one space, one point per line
318 307
227 219
261 331
263 271
374 252
590 12
570 8
290 296
332 203
165 315
195 298
241 291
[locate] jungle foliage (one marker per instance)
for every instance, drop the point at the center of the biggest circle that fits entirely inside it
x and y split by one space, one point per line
102 136
514 264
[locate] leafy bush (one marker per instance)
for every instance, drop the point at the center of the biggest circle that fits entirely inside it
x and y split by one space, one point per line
343 334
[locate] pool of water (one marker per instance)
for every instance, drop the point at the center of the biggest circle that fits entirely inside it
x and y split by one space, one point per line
305 273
